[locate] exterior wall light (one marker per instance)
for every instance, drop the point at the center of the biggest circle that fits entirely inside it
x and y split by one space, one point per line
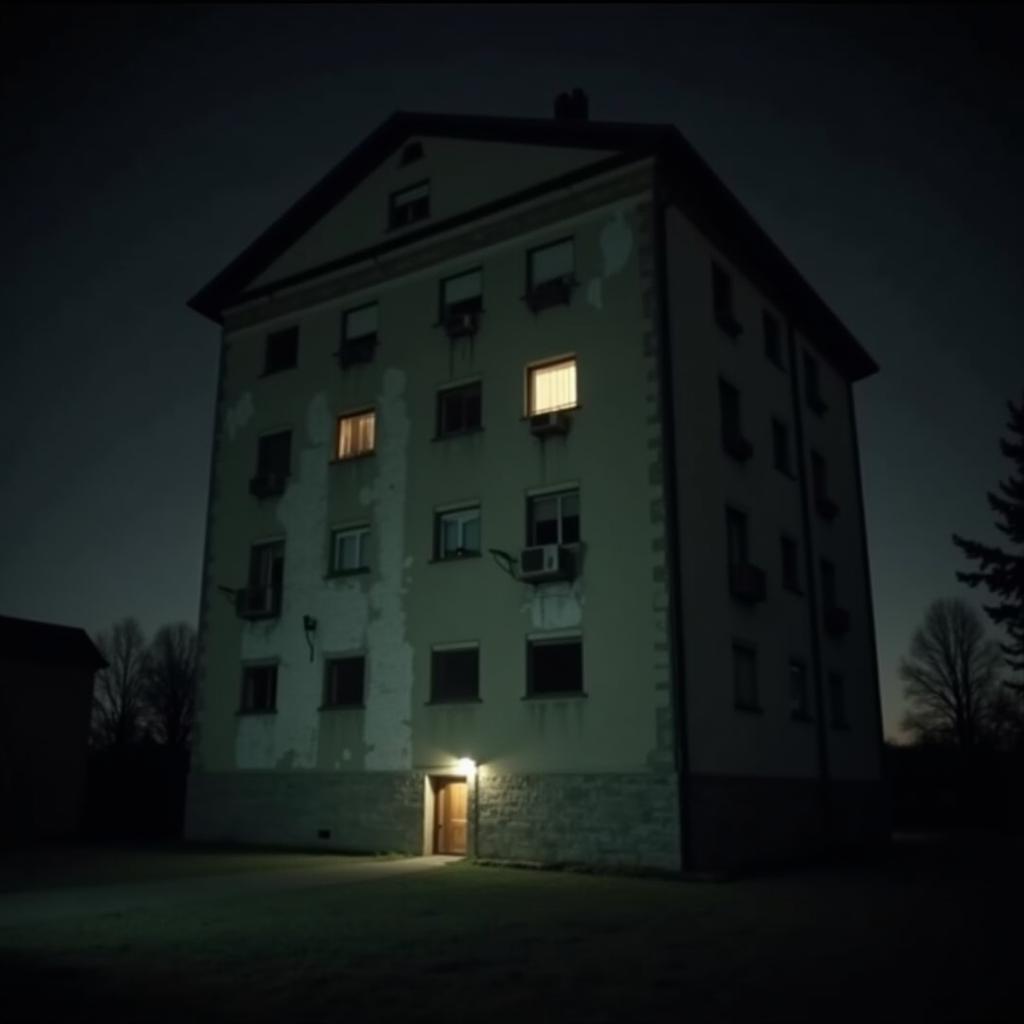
466 766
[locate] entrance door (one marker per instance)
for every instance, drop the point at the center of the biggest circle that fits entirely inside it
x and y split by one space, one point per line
451 816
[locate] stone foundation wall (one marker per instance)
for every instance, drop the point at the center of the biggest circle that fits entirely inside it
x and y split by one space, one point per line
365 811
627 820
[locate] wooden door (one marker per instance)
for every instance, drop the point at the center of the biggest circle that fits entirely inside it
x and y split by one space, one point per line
452 816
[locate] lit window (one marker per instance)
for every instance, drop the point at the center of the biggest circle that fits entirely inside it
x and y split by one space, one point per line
409 205
356 434
554 667
455 674
343 682
552 387
259 688
458 533
350 550
799 700
744 677
554 519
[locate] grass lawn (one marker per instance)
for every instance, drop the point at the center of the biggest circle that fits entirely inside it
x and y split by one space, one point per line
933 933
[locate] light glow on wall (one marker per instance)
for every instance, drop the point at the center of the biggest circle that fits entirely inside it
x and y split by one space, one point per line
466 766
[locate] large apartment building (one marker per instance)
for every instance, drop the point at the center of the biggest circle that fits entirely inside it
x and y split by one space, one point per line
535 526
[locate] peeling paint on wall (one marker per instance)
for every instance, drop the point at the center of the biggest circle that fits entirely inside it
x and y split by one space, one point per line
555 606
239 414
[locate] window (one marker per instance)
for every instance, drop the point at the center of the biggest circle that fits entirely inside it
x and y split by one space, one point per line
721 294
350 550
282 350
744 677
772 339
552 387
458 409
549 275
799 699
455 674
812 384
732 431
736 537
261 597
828 585
273 462
457 533
780 446
343 682
356 434
790 565
837 700
462 294
259 688
554 667
358 335
553 518
409 205
826 507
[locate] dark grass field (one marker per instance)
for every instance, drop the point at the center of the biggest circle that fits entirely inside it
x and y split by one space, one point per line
932 932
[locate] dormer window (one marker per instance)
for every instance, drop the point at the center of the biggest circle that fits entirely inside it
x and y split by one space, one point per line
409 205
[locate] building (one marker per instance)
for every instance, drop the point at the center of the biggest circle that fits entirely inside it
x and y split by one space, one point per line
46 681
535 522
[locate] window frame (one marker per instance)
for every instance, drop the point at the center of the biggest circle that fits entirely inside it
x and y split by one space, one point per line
531 253
439 651
247 706
559 495
533 368
440 515
356 414
354 349
329 691
292 335
394 206
263 470
535 643
453 390
361 530
742 649
472 306
270 578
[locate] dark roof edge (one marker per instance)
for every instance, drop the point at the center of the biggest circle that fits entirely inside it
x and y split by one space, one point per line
32 641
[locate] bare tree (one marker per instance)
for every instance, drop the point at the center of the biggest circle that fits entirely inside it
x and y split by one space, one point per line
171 684
950 675
119 705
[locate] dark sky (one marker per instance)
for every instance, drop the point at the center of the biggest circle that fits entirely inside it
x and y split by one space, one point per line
143 148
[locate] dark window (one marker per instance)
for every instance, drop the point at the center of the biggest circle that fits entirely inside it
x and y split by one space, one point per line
350 550
358 335
780 446
273 458
411 153
744 677
554 666
454 674
261 597
282 351
553 518
812 384
799 700
457 533
409 205
462 294
729 408
819 476
458 409
828 585
549 275
343 682
259 688
790 564
721 295
837 700
736 537
772 338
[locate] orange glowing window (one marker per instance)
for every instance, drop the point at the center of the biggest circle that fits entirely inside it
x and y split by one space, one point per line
356 434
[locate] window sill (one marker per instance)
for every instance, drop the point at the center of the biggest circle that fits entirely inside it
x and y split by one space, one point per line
546 412
565 695
351 458
468 556
469 432
342 707
436 703
256 712
342 573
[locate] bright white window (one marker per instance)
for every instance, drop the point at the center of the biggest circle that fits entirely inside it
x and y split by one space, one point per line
551 263
350 549
356 434
553 387
458 533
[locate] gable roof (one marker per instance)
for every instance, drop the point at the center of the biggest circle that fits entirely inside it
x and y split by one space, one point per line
46 643
691 184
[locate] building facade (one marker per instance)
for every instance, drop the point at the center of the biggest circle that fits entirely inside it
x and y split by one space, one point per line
535 527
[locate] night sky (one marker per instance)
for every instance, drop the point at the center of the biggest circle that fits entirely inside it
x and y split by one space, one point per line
882 149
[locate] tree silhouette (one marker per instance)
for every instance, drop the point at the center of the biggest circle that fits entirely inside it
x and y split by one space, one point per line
119 704
170 690
950 675
1002 571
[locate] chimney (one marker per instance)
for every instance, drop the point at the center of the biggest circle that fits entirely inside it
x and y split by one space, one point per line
572 106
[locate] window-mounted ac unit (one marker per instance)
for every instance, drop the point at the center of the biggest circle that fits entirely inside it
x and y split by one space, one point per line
461 324
544 424
266 485
545 562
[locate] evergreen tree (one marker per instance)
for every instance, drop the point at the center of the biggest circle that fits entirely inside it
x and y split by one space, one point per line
1002 571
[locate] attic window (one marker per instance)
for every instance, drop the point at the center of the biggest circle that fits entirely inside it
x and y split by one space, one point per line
411 153
409 205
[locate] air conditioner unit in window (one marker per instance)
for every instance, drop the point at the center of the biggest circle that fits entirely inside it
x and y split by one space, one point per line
545 562
461 324
544 424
